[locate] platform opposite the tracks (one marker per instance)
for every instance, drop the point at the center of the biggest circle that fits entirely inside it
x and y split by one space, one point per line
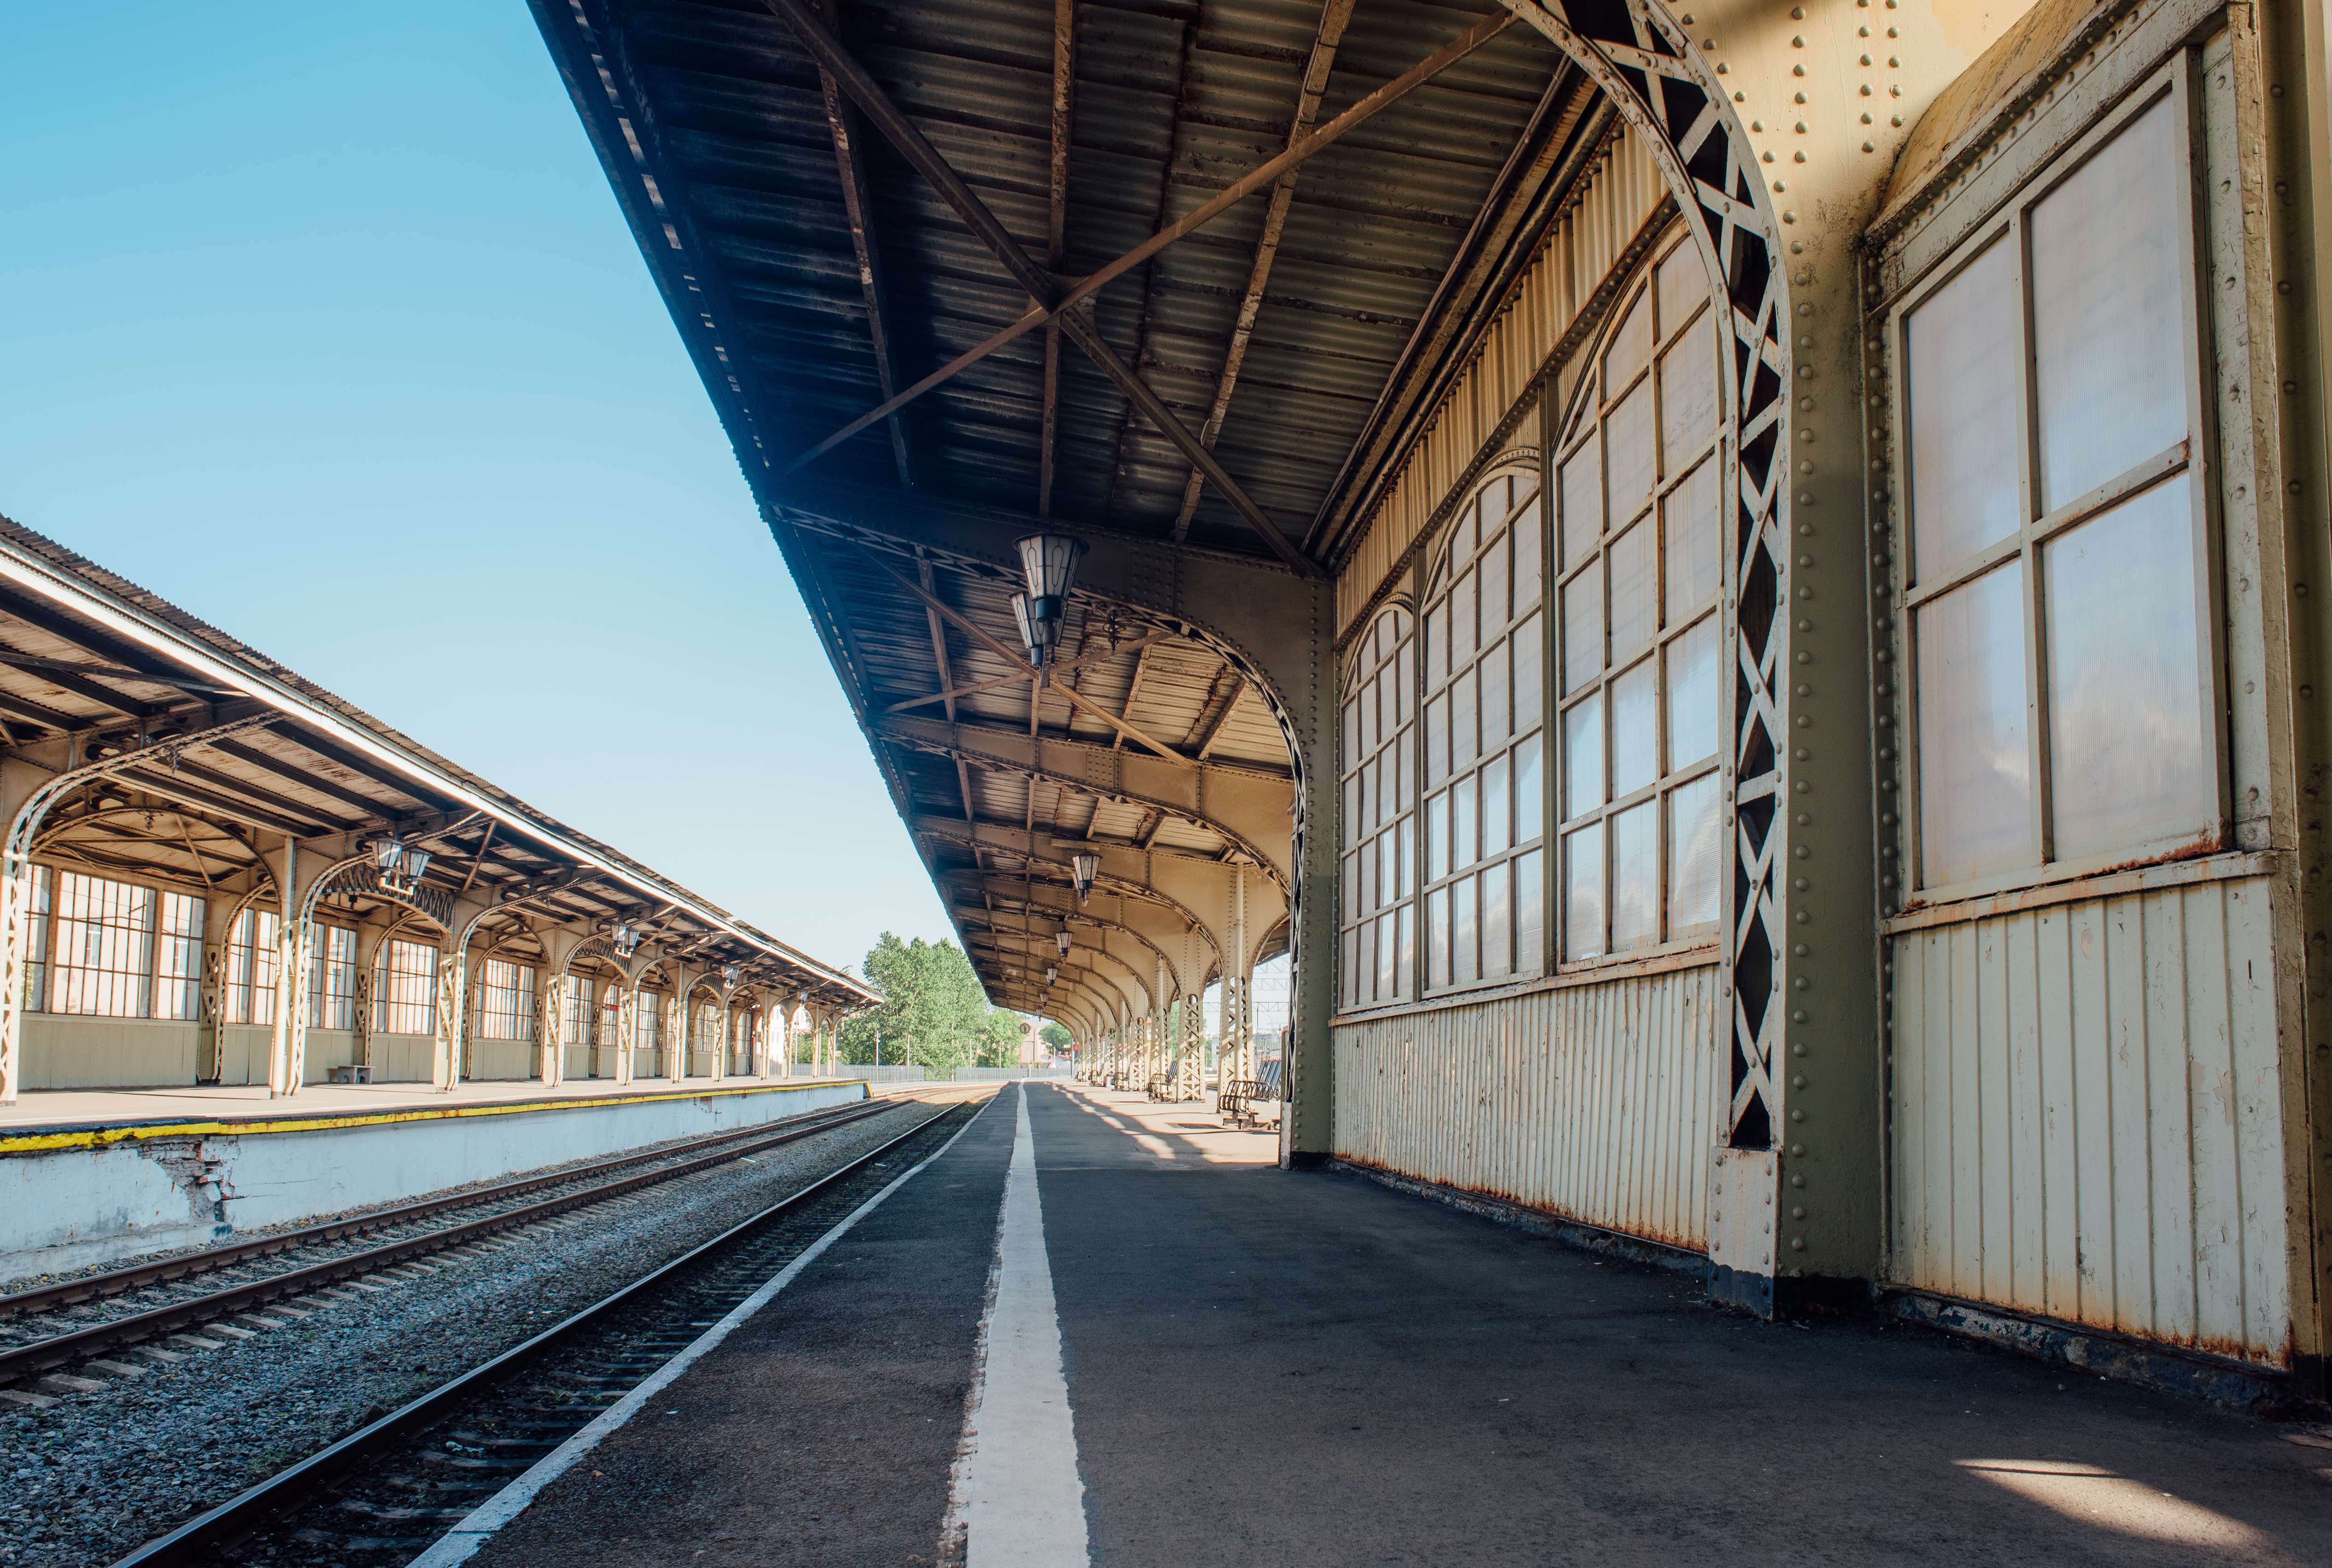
1266 1367
90 1177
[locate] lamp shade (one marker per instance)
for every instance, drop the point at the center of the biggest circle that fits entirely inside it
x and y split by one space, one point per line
1061 940
1048 565
1083 866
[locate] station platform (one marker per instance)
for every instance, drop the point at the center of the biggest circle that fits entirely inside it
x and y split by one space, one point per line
1181 1354
59 1116
92 1178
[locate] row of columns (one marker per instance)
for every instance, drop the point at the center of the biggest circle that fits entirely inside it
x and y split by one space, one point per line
1167 1046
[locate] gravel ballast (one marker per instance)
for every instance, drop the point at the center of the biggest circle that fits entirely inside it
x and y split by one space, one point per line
101 1471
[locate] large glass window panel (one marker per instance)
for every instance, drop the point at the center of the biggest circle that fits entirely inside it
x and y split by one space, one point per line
1496 807
1693 858
1631 343
1634 565
1464 630
1437 938
1464 721
1437 838
1497 718
1466 846
1530 898
1688 518
1635 730
104 947
1529 657
1465 935
2126 725
1496 606
1687 396
2108 329
178 958
1498 925
1962 413
1582 893
1583 758
1530 792
1583 628
1528 561
1682 284
1582 505
1694 731
1437 741
1974 773
1636 878
1628 455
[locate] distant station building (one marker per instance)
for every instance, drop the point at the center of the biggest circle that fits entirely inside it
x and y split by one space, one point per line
1730 581
218 873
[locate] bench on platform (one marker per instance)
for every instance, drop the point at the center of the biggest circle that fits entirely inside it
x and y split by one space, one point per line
1251 1102
1157 1087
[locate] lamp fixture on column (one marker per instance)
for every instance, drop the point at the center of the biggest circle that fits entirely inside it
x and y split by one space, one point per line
730 974
1048 565
398 865
624 938
1083 866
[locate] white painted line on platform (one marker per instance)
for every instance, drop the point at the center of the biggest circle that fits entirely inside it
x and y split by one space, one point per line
463 1542
1019 1498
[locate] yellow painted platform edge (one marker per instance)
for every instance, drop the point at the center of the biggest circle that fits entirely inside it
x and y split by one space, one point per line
99 1137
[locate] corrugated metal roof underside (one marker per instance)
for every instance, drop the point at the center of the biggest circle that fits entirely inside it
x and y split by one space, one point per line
1173 99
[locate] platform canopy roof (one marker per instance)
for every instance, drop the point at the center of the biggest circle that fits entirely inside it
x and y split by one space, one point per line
995 225
219 753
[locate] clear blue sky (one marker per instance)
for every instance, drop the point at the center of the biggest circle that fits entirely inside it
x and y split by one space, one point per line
321 321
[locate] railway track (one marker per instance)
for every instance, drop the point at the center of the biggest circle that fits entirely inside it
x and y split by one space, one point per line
384 1493
75 1320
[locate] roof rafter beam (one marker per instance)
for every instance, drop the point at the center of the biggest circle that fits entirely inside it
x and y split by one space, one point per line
1017 678
1040 285
1062 305
1056 225
1333 17
1028 671
858 208
294 773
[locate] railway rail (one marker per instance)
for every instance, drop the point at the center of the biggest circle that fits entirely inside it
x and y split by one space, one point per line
385 1492
72 1320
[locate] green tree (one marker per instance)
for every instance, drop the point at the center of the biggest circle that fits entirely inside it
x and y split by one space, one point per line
933 1013
1059 1039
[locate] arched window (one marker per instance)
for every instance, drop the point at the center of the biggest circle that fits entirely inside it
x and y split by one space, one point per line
1380 779
1640 572
1484 757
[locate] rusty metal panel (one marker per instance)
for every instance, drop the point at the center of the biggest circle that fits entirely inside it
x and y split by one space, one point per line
1616 198
1599 1102
2086 1119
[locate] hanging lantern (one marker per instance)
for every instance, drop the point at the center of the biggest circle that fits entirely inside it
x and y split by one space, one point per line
1048 565
1051 974
1061 940
398 866
730 974
624 938
1083 866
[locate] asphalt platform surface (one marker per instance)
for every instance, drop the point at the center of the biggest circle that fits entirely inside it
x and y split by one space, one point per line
1280 1368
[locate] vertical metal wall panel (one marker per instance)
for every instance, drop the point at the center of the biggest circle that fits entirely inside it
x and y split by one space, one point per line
1596 1102
2086 1120
1579 252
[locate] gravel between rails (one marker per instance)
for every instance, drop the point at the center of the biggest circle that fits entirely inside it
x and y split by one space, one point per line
103 1471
